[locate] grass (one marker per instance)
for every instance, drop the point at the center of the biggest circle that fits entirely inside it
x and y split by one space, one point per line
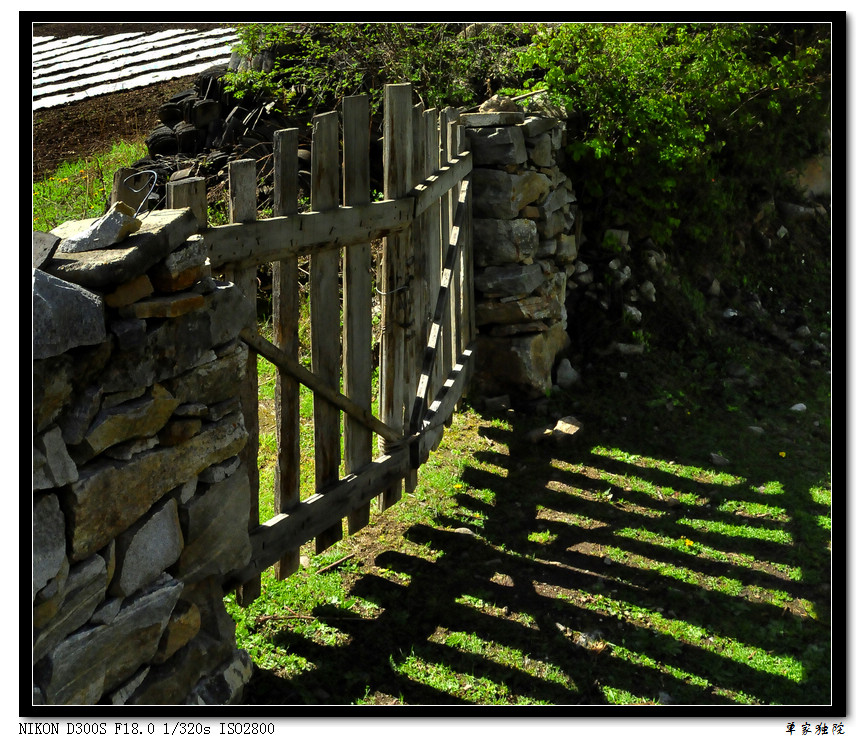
626 569
81 189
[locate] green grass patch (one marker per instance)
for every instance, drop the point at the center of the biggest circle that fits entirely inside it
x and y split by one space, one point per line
81 189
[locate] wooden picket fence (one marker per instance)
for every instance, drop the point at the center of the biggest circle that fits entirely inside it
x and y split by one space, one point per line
427 314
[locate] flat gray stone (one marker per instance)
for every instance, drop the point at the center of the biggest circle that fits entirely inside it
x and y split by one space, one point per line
497 147
147 548
65 316
161 232
536 125
229 312
84 590
498 241
525 310
49 540
52 389
541 151
216 531
44 245
107 230
52 465
519 365
110 496
510 279
498 194
89 663
480 120
212 382
136 419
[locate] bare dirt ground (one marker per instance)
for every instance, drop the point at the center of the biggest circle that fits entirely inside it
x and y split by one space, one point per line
80 129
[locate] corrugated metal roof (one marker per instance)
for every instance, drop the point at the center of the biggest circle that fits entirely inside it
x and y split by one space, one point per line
71 69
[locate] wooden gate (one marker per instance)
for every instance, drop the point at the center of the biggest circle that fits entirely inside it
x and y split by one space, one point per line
426 313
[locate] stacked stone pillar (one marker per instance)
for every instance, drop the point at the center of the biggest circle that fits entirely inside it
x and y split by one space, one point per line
140 502
526 235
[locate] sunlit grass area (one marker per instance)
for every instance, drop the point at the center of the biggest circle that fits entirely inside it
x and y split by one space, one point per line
603 575
81 189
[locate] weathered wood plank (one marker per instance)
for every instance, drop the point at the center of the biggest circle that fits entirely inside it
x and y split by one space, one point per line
456 295
396 303
360 414
242 208
324 313
448 208
271 239
320 512
357 297
450 392
433 243
286 317
191 193
416 260
433 188
442 303
305 233
466 286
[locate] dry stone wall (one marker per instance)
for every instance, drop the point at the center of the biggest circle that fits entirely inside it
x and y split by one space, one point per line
140 501
526 238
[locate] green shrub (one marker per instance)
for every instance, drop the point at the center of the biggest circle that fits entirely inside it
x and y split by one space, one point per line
673 124
315 64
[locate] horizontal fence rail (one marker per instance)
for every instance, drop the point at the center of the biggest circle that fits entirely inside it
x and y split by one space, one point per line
272 239
425 303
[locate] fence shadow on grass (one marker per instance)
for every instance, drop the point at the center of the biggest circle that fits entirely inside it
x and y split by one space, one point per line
554 573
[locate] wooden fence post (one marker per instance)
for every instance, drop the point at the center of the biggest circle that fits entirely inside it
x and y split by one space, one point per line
448 207
456 304
191 193
286 313
130 186
324 312
395 275
433 239
242 208
357 304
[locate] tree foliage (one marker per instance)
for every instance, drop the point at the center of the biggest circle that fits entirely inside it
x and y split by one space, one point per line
673 123
674 128
310 67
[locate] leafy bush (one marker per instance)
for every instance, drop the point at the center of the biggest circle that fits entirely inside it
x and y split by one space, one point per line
673 124
309 67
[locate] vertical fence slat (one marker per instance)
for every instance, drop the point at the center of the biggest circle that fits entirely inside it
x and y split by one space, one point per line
456 303
433 232
448 206
417 270
324 312
131 187
357 311
395 277
286 317
190 192
242 208
469 257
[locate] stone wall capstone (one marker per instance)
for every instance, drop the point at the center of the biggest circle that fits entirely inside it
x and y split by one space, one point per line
140 502
526 235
